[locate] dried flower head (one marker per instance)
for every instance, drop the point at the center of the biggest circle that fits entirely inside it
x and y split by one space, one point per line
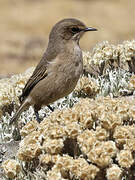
125 158
87 86
29 128
102 152
77 167
114 172
123 133
11 88
29 147
11 168
132 82
52 146
103 52
86 140
101 133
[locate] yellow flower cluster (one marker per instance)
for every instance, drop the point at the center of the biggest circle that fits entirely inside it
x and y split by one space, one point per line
91 123
125 158
48 158
66 165
98 152
105 51
87 86
31 126
10 88
109 113
86 59
132 82
29 147
107 54
114 172
124 133
127 50
11 168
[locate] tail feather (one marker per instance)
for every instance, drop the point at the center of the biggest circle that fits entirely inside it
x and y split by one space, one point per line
24 105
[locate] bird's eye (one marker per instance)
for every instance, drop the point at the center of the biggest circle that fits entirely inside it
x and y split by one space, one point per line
75 30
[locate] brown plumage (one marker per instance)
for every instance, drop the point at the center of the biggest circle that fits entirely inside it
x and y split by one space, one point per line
57 73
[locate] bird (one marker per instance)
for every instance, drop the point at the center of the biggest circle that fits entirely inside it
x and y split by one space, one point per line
59 70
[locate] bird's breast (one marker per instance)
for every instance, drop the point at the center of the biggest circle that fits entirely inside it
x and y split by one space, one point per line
74 62
69 63
78 61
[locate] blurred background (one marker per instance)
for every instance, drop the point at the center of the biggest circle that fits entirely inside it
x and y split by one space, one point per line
25 27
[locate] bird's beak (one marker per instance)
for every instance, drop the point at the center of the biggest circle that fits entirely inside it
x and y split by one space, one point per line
90 29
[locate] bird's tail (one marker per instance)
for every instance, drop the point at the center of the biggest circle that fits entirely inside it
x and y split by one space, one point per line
23 106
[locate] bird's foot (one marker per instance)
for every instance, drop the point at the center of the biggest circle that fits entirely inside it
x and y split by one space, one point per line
16 134
37 117
12 120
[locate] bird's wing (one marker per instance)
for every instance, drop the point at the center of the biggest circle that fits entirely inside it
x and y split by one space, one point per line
39 73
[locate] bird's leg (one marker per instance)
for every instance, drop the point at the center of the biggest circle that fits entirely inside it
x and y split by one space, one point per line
37 116
52 109
16 133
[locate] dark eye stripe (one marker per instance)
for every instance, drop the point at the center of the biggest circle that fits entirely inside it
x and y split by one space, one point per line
75 30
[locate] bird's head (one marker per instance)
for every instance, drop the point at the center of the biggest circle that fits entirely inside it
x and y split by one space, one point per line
69 29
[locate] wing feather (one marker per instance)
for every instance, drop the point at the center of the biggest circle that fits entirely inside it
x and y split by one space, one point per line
39 73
